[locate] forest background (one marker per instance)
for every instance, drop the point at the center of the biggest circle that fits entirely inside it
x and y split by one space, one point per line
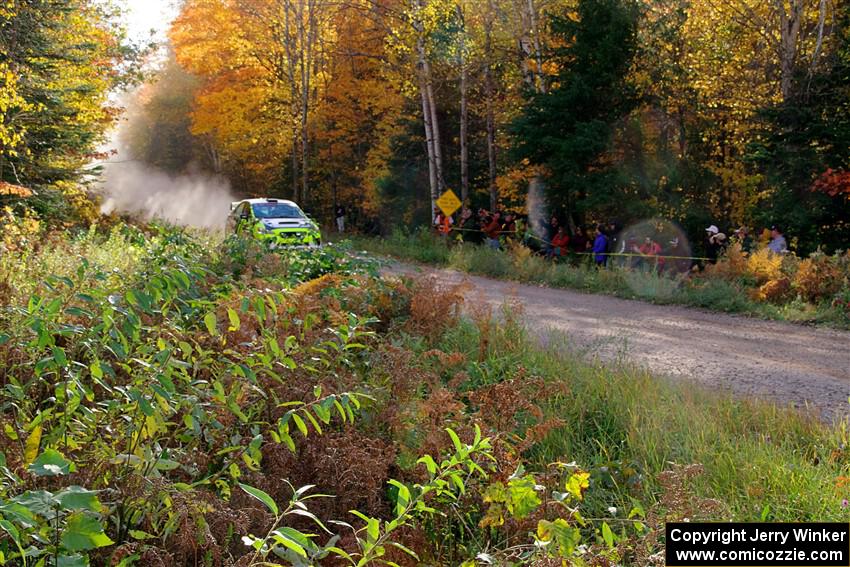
723 112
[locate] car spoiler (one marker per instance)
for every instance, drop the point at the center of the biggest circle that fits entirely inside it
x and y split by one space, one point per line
233 205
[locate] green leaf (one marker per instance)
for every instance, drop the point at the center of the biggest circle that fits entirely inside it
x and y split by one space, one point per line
96 370
262 497
313 422
373 530
31 502
607 534
429 463
211 324
140 535
408 551
235 323
78 498
59 357
10 529
455 440
302 427
83 532
577 483
51 463
523 496
283 536
402 497
166 465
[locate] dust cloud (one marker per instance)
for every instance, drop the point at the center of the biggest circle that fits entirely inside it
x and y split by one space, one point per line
538 218
191 199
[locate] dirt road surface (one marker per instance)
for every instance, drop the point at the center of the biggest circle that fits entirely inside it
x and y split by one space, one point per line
789 364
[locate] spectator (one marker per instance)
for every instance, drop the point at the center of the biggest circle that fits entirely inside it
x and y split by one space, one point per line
742 237
509 226
600 246
777 243
579 241
339 214
559 244
443 223
679 263
714 243
550 230
613 234
650 252
466 226
493 229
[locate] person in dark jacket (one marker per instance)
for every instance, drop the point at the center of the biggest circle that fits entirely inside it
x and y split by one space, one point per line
579 242
715 242
600 246
339 214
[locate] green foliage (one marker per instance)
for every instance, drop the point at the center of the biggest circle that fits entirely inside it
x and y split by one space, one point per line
110 386
589 95
445 480
152 398
799 140
626 427
66 55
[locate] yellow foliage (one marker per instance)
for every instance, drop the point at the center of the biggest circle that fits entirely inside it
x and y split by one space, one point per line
818 277
85 208
513 185
733 264
765 266
7 189
19 232
774 291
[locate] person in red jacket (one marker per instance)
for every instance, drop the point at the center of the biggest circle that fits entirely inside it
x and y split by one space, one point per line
493 229
651 251
559 243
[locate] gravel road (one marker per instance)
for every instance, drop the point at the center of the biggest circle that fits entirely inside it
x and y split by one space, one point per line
789 364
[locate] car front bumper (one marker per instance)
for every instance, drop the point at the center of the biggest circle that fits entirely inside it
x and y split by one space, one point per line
291 237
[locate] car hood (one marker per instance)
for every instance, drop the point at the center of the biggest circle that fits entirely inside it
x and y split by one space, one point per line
274 224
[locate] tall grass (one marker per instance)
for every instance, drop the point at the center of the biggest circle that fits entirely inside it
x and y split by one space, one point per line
763 462
519 264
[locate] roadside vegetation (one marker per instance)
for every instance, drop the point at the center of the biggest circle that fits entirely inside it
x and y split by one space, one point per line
169 398
806 290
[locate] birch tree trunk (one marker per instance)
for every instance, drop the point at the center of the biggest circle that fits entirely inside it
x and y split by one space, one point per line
435 127
429 133
464 112
540 82
489 93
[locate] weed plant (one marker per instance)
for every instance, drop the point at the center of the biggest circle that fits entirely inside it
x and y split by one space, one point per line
169 398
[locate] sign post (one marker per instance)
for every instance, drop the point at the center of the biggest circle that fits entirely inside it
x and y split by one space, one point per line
448 203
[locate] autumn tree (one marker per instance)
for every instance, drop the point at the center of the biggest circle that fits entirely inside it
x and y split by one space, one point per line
59 61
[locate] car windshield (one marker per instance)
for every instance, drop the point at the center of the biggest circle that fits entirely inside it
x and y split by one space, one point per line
277 211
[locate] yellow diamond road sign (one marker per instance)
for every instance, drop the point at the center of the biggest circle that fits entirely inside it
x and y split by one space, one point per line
449 202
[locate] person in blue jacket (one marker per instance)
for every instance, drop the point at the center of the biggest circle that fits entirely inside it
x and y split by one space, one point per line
600 246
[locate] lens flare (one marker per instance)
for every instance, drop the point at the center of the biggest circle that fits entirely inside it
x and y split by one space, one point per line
657 245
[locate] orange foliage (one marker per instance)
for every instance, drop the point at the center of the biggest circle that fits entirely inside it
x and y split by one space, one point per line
833 182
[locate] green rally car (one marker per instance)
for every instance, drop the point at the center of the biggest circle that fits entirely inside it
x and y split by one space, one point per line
275 222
